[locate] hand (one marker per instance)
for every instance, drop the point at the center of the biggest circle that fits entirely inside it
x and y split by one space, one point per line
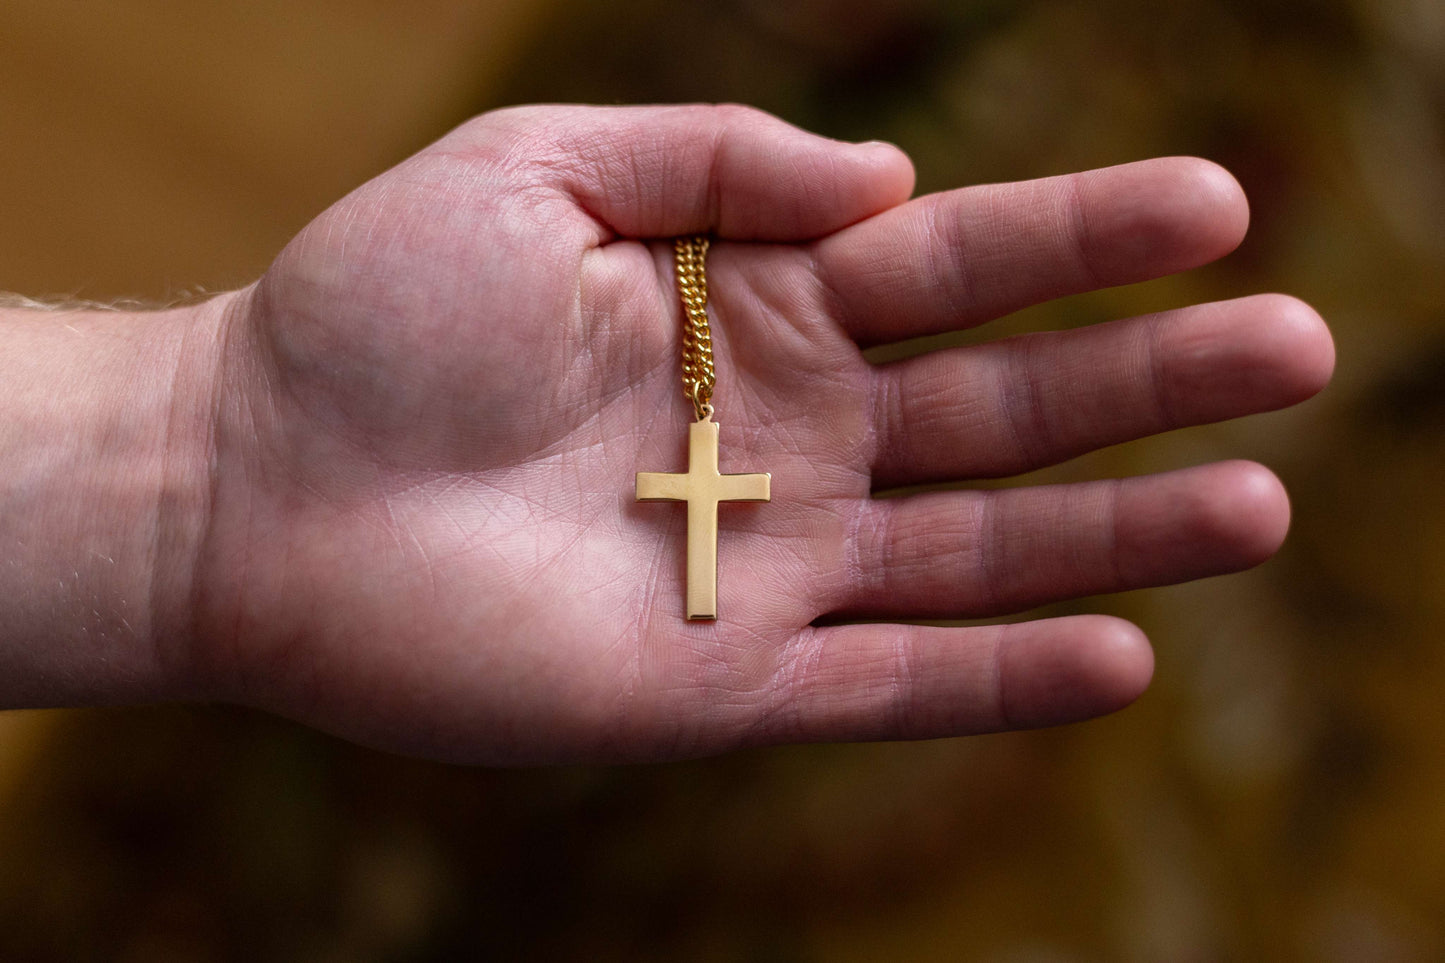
421 531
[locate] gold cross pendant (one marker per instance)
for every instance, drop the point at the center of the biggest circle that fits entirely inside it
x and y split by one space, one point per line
702 488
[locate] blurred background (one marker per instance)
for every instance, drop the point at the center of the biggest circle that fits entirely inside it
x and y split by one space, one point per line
1280 792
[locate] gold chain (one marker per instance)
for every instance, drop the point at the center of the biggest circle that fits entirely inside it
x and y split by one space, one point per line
698 377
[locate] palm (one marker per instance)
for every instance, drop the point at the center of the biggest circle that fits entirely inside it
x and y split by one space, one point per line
424 533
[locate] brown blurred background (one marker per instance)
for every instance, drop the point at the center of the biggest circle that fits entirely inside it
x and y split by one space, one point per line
1280 792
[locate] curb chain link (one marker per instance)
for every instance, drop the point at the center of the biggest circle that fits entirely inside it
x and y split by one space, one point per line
698 376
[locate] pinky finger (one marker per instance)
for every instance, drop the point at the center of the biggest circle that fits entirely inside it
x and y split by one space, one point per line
865 682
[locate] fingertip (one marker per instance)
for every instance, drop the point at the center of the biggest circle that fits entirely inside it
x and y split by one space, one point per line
863 179
1199 522
1231 516
1220 200
1240 357
890 169
1251 511
1124 662
1071 669
1160 216
1301 340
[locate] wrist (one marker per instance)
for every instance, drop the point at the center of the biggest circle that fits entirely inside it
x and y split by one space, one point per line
104 492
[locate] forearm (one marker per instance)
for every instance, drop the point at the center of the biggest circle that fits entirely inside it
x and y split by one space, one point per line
104 481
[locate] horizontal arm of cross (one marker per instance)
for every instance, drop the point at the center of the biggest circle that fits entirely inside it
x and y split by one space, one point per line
657 486
744 488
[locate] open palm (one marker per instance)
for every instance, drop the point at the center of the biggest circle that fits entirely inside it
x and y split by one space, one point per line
423 533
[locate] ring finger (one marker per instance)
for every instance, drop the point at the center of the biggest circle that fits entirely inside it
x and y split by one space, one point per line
979 554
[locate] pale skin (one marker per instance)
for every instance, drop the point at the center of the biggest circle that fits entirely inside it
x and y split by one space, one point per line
388 489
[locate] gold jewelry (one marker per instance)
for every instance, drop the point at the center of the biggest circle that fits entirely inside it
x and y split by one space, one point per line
698 376
702 487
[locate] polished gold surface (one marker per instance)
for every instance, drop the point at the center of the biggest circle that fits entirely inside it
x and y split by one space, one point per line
702 487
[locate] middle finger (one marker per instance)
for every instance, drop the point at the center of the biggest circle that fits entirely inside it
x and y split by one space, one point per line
1025 402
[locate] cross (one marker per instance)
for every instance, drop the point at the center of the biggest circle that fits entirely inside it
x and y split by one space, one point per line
702 488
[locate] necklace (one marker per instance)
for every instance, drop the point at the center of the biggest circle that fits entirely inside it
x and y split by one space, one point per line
701 486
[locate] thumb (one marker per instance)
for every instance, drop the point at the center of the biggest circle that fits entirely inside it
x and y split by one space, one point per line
733 171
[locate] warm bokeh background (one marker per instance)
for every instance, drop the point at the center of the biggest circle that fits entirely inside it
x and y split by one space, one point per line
1280 792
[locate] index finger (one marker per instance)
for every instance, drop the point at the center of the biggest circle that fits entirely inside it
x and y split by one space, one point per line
957 259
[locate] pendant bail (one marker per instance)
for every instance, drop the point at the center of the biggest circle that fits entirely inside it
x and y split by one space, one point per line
701 399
